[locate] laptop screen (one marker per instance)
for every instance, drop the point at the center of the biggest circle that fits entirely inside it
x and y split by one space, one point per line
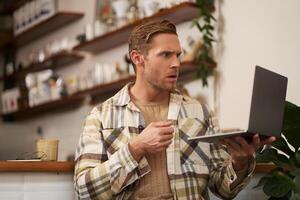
267 104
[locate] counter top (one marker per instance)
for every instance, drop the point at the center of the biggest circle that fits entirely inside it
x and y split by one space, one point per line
68 166
36 166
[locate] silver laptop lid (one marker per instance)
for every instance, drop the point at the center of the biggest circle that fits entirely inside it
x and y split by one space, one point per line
267 104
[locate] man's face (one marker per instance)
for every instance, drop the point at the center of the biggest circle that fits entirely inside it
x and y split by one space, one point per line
161 64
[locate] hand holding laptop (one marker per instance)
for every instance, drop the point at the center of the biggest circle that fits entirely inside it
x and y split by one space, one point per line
241 150
266 112
265 121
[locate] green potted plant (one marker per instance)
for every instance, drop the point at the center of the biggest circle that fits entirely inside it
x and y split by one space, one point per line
204 57
284 181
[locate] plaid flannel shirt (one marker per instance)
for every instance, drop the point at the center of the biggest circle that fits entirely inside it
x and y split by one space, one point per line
105 169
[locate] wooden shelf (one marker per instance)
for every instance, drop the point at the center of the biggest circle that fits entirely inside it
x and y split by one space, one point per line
108 87
58 20
68 166
36 166
187 68
6 38
97 93
10 77
56 61
100 92
65 103
8 6
176 14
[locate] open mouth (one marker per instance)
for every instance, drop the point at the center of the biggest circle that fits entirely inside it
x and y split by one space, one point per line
172 77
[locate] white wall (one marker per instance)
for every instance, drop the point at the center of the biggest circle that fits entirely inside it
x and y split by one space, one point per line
34 186
259 32
46 186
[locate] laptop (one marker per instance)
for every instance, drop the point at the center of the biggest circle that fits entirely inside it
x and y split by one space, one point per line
267 108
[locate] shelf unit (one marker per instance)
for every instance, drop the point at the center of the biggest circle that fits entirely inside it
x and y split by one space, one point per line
61 59
58 20
107 87
9 6
64 103
97 94
5 39
68 166
177 14
58 60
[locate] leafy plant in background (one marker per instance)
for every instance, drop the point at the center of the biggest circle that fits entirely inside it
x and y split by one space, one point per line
204 58
284 181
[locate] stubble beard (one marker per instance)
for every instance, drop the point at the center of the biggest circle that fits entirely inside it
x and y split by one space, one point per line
162 87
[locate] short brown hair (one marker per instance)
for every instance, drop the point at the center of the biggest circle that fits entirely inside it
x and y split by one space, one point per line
142 34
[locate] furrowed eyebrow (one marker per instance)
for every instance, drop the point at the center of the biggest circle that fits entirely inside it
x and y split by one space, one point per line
179 54
170 52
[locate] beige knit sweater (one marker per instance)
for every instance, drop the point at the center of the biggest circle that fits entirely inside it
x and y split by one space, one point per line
154 185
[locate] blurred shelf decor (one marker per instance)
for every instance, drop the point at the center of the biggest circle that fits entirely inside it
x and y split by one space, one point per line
176 14
31 97
97 92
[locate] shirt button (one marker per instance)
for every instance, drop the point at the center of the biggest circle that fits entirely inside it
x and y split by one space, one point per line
141 128
232 177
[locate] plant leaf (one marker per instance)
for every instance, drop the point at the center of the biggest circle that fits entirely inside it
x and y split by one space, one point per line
292 136
278 185
291 124
200 3
262 181
295 196
298 158
195 22
272 155
208 26
283 146
279 198
291 116
213 18
295 172
297 183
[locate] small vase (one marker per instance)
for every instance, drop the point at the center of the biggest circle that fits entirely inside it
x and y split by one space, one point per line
120 7
149 7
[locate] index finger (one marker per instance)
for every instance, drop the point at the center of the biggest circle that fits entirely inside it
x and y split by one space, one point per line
167 130
268 140
162 123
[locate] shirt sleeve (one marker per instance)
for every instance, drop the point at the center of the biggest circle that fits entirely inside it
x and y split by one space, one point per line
98 176
224 182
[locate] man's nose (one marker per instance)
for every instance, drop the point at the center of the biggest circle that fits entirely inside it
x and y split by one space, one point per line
175 62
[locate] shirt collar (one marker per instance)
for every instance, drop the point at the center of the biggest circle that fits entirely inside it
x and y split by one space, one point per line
122 98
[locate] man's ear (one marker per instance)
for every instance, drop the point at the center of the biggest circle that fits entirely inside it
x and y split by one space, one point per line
136 58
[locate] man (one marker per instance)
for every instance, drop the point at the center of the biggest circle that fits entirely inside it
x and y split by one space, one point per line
134 145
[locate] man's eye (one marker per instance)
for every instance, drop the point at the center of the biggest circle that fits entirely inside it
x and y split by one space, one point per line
166 54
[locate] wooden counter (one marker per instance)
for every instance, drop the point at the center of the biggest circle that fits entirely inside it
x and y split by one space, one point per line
68 166
36 166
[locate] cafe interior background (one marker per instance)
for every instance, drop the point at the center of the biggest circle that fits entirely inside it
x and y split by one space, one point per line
59 58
